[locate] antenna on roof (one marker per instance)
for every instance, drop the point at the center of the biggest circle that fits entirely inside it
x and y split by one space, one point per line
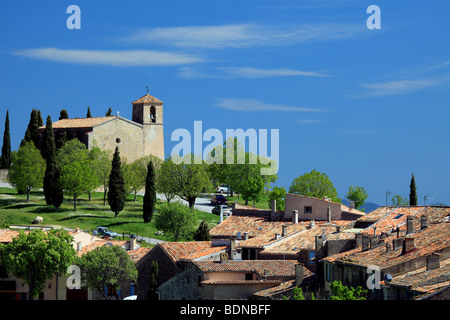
425 198
146 89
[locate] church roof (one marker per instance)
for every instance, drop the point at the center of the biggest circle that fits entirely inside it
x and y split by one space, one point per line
80 122
147 99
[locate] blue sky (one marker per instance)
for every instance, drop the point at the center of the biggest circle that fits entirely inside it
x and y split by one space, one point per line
367 107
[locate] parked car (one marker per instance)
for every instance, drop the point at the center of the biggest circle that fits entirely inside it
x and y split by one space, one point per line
223 188
130 298
104 231
218 199
226 210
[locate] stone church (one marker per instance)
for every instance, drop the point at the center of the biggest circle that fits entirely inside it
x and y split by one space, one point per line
136 138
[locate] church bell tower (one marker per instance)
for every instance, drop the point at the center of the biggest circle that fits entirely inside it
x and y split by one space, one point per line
148 111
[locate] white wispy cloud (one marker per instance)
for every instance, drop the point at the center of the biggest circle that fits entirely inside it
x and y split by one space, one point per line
400 86
244 72
109 57
255 105
247 72
243 35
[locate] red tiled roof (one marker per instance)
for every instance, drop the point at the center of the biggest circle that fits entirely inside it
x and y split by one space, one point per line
241 282
388 218
80 122
7 235
147 99
189 250
432 239
273 268
138 253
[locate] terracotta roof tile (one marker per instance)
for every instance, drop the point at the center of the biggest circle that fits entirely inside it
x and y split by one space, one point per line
432 239
80 122
6 235
189 250
274 268
147 99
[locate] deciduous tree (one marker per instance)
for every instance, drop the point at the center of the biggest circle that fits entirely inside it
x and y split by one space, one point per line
27 169
107 266
314 184
38 256
175 219
358 195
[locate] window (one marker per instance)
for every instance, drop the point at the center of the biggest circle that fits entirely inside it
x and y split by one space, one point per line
199 280
118 140
249 276
307 209
311 257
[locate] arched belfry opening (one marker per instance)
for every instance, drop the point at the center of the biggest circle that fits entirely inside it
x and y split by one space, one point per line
153 114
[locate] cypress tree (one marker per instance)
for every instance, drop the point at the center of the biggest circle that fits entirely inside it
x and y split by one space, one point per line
116 185
153 285
39 118
5 162
32 134
63 114
52 190
150 193
88 115
412 192
202 233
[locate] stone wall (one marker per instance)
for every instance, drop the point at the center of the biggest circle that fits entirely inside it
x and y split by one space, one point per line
319 208
3 174
123 133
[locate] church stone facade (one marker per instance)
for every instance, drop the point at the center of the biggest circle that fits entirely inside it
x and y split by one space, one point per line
136 138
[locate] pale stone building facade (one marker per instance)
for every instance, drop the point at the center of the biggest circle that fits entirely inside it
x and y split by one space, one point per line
136 138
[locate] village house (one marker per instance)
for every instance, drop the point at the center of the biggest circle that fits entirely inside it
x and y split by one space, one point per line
56 288
174 258
235 279
408 248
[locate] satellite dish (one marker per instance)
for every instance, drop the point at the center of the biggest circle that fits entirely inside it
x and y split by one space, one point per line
239 236
388 277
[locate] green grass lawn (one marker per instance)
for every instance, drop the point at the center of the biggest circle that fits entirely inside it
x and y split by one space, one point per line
262 203
14 210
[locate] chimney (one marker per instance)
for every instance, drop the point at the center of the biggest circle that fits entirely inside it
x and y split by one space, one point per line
433 261
132 242
397 243
358 240
273 207
224 257
388 247
312 224
284 234
409 225
221 214
374 231
294 216
408 245
329 214
79 246
298 274
365 242
245 235
423 222
277 236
